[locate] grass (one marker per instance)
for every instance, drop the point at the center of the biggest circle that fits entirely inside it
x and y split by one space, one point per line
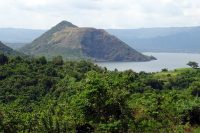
171 74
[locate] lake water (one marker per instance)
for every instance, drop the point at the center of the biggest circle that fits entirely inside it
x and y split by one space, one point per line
170 61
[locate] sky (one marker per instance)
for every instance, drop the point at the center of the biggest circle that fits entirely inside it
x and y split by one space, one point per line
120 14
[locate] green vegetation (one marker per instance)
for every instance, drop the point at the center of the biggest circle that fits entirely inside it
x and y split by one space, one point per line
57 97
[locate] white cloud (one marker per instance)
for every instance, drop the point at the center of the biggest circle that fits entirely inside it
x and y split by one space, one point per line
99 13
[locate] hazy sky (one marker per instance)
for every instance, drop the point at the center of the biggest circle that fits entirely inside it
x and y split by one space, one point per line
43 14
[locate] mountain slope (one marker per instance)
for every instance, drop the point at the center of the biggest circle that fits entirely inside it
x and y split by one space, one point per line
73 42
7 50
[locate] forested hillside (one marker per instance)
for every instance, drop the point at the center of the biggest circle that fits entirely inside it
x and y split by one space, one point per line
57 97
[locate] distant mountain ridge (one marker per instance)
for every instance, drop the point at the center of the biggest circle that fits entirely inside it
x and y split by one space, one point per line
17 35
73 42
174 39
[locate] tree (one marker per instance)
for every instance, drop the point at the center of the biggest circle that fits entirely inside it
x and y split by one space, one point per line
3 59
103 104
58 60
193 64
164 70
41 60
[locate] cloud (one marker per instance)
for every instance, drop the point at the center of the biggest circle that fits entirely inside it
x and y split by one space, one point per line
99 13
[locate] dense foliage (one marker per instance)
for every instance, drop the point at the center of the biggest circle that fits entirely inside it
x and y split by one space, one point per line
37 95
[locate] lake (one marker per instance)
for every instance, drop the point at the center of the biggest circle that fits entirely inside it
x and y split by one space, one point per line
170 61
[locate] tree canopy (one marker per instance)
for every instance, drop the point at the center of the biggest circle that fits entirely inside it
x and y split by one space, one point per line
193 64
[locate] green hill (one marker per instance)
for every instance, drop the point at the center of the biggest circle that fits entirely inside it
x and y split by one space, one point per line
73 42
